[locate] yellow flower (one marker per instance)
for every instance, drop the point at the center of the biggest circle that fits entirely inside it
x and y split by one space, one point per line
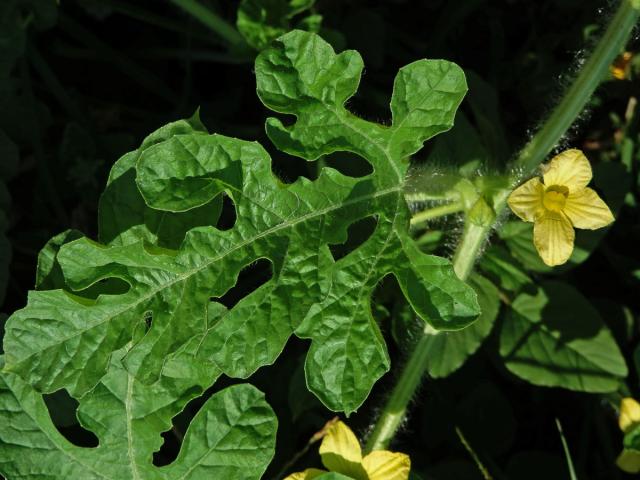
620 67
629 419
340 452
629 414
559 204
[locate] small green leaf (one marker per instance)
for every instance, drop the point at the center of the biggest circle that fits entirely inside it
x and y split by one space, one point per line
124 216
556 338
262 21
449 350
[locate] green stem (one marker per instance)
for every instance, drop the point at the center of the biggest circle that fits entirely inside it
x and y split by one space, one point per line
397 404
474 236
565 113
468 249
212 20
476 459
580 91
439 211
567 452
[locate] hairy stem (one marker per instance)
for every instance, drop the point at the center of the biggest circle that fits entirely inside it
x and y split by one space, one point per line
562 116
397 404
468 249
435 212
474 236
585 83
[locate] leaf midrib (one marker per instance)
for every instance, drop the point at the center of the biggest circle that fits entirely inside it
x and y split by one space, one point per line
188 274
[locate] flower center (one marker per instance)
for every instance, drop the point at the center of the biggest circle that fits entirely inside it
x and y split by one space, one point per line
555 197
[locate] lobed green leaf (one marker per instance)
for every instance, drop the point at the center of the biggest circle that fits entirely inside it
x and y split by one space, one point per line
450 350
232 436
65 338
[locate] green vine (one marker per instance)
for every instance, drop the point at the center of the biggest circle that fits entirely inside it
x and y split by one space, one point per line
474 236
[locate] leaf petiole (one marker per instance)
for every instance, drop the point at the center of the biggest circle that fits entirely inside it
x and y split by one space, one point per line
436 212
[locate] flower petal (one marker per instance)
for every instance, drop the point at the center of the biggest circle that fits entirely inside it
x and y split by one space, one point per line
385 465
308 474
629 414
587 210
629 461
570 169
526 200
553 237
340 451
